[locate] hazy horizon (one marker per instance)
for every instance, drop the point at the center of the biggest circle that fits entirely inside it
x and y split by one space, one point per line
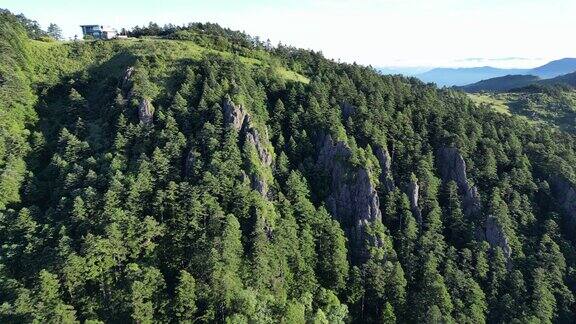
381 33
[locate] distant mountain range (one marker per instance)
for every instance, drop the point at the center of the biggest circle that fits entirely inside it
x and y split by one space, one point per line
511 82
468 76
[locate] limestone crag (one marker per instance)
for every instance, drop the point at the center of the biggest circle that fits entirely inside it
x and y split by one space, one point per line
190 163
347 110
127 78
233 115
237 118
452 167
385 165
496 237
145 111
565 194
413 192
253 136
352 200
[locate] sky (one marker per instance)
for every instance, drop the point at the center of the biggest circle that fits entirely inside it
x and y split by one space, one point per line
381 33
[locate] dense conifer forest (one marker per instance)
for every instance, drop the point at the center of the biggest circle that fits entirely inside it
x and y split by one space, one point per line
196 174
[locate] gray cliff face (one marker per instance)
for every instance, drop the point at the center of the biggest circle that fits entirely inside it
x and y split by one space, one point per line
253 136
452 167
237 118
565 194
353 200
233 115
347 110
190 163
127 78
145 111
496 237
385 165
413 192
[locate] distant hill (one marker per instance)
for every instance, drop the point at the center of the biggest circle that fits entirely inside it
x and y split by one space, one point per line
520 83
566 79
501 84
555 68
466 76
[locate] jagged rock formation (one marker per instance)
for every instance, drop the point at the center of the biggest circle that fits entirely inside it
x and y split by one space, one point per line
233 115
190 162
452 167
413 192
565 194
145 108
496 237
385 165
237 118
253 136
127 78
145 111
353 200
347 110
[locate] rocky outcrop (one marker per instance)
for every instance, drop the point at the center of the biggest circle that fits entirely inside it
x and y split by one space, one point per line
190 163
237 118
452 167
233 115
145 111
413 192
253 136
385 165
347 110
565 194
352 200
127 78
496 237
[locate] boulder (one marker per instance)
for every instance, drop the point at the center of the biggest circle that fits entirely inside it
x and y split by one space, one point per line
385 165
352 199
145 111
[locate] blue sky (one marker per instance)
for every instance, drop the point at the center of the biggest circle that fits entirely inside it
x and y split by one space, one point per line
510 33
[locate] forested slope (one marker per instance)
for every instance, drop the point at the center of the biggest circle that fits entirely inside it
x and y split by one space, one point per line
207 177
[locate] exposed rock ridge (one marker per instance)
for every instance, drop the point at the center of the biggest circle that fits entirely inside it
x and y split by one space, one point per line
564 192
145 108
413 192
453 167
385 162
496 237
353 200
237 118
145 111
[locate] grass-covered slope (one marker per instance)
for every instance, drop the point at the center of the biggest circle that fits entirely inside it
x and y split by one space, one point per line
196 175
